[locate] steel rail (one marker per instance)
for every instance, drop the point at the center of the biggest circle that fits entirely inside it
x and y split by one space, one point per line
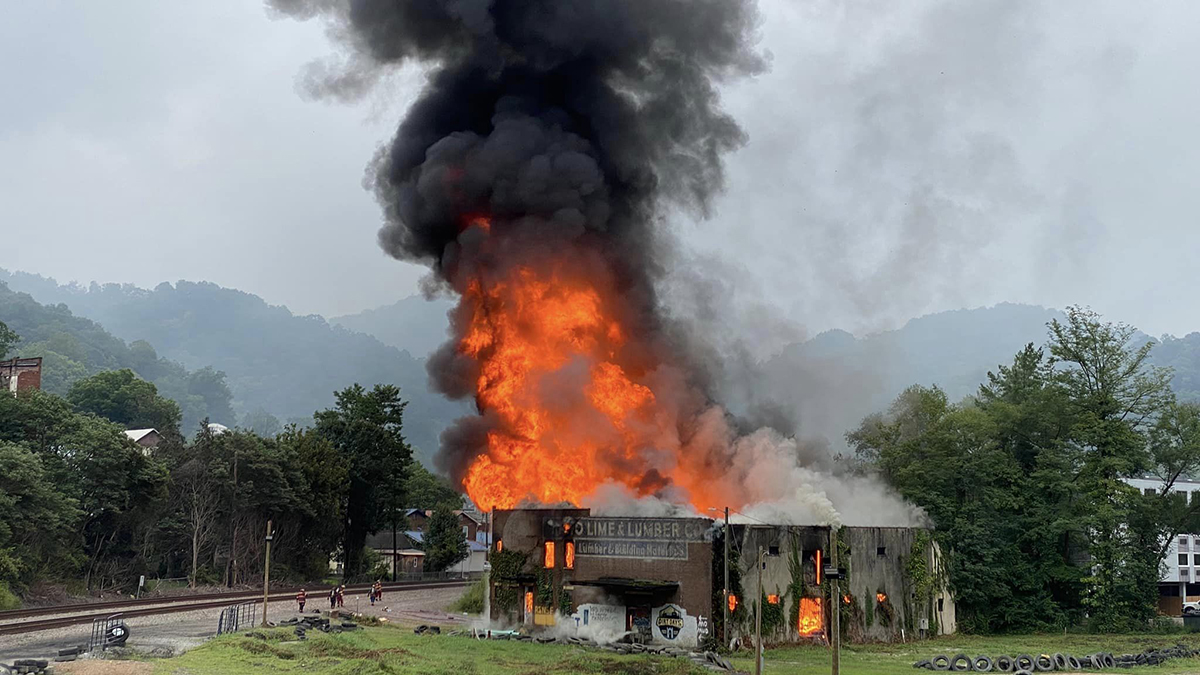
180 604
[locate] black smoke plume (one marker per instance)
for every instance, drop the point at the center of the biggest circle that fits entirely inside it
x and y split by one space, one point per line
568 122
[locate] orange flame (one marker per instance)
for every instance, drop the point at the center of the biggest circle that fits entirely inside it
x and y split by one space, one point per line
881 597
569 395
549 555
733 602
773 599
812 617
847 599
570 553
818 566
528 603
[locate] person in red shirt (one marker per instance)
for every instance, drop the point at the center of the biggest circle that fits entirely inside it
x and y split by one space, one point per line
341 596
300 598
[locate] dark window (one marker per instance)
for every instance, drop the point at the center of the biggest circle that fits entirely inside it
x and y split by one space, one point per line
1185 575
772 550
1182 559
941 604
1196 558
1183 542
881 551
1148 491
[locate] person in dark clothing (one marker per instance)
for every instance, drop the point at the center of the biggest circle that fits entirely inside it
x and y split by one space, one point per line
333 592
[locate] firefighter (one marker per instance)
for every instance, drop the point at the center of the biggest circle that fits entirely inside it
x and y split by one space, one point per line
378 590
300 598
341 595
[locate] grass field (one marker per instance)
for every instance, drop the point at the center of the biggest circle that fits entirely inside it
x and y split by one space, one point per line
395 650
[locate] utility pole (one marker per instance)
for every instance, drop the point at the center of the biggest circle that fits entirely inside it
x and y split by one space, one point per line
758 650
835 601
267 574
725 623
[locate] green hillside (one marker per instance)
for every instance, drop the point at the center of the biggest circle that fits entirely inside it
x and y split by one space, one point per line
73 347
275 362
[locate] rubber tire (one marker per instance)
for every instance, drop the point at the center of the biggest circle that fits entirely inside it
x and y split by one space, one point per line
955 661
1024 662
1074 663
1023 672
1060 661
940 662
1005 664
923 664
983 664
1043 663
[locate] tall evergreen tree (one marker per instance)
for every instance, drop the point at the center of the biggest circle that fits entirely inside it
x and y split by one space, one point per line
366 428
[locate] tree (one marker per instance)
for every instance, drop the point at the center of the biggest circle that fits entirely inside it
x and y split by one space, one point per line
366 428
424 489
36 519
198 495
8 339
1113 395
445 545
122 397
261 422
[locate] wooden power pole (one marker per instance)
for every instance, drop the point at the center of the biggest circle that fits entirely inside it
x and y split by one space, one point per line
267 574
758 650
725 623
835 604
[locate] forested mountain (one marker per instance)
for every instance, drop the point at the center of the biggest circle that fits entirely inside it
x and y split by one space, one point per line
413 324
279 365
73 347
274 361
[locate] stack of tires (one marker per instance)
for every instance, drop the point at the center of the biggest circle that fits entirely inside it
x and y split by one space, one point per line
1026 664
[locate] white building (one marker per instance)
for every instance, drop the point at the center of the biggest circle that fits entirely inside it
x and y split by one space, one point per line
1179 578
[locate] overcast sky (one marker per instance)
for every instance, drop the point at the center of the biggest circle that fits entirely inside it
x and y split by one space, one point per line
904 157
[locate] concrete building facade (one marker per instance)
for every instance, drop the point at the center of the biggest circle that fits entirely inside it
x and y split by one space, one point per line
881 601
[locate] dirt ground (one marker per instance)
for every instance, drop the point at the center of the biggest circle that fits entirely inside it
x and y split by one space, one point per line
104 668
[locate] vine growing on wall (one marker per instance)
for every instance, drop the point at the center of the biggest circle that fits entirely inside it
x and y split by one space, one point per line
884 610
772 615
924 579
795 589
506 567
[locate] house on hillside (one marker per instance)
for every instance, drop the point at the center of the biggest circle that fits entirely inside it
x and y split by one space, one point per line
471 523
147 438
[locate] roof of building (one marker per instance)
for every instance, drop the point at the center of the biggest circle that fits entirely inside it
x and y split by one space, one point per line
475 546
138 434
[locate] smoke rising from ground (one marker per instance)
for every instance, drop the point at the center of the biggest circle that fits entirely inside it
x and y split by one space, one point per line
545 148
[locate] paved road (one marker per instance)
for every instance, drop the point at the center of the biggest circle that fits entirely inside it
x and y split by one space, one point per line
177 632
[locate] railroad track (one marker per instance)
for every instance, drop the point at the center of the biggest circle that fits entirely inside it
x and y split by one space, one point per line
136 608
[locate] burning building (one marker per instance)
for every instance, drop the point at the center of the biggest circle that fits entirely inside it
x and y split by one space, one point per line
534 175
604 576
892 588
660 580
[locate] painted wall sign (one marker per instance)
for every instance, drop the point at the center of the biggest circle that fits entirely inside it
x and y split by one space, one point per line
653 538
643 529
669 622
672 625
660 550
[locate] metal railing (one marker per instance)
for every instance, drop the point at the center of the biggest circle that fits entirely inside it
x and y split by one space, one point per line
236 617
107 632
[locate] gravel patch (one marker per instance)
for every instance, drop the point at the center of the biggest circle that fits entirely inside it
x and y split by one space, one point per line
166 634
